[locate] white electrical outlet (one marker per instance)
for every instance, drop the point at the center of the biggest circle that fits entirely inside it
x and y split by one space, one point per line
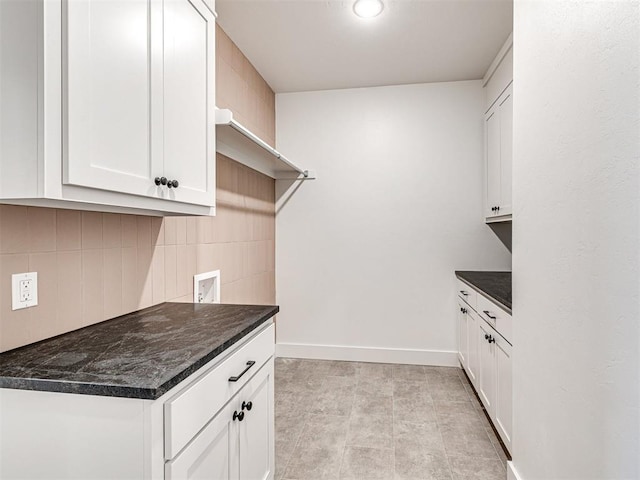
24 290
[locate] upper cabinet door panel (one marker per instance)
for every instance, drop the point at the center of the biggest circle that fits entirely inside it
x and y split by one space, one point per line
189 100
492 153
107 96
506 149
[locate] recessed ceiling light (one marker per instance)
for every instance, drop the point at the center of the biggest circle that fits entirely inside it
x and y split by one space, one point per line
368 8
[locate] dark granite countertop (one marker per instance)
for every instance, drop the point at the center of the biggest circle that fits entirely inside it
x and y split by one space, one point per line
495 286
139 355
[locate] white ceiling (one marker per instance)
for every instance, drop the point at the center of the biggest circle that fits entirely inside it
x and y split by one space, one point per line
302 45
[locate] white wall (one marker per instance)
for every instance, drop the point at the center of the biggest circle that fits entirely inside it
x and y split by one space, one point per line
365 254
576 241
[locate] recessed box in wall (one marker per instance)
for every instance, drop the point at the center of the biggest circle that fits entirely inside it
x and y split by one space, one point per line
206 287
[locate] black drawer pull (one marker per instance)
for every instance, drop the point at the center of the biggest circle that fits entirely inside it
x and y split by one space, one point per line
250 364
488 314
464 293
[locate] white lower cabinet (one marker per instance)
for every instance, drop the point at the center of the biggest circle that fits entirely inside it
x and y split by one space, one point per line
472 366
486 385
256 433
463 336
486 356
503 412
217 424
211 454
238 442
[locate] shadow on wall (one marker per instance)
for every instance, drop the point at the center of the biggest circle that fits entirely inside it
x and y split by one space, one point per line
502 230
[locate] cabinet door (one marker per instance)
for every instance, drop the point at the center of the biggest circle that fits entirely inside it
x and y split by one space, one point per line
189 101
212 455
503 402
505 107
463 339
487 377
473 357
256 431
109 71
492 161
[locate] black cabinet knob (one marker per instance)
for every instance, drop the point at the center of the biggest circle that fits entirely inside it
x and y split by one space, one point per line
247 405
497 209
163 180
238 416
491 339
157 181
486 337
173 184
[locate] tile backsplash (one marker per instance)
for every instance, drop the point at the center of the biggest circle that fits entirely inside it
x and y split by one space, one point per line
95 266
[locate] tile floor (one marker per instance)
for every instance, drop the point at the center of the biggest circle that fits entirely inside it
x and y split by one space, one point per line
348 420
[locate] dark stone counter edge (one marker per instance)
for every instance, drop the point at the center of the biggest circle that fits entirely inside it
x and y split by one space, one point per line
485 294
106 390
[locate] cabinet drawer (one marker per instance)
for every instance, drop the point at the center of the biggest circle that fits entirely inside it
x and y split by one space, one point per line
467 293
495 316
189 410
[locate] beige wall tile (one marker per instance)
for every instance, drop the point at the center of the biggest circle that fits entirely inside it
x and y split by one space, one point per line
112 230
68 230
129 231
41 229
92 286
191 230
45 312
91 230
224 45
144 277
204 257
170 230
185 299
157 231
182 271
158 275
112 282
237 59
192 267
204 230
69 290
227 292
15 231
170 271
130 287
181 231
143 225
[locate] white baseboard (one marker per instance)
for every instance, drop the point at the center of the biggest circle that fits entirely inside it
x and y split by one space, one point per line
368 354
512 473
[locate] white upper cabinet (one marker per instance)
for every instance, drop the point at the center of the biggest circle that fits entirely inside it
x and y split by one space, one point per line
125 115
498 135
499 157
189 107
110 72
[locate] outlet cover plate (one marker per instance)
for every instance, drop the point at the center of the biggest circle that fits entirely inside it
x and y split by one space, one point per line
24 290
